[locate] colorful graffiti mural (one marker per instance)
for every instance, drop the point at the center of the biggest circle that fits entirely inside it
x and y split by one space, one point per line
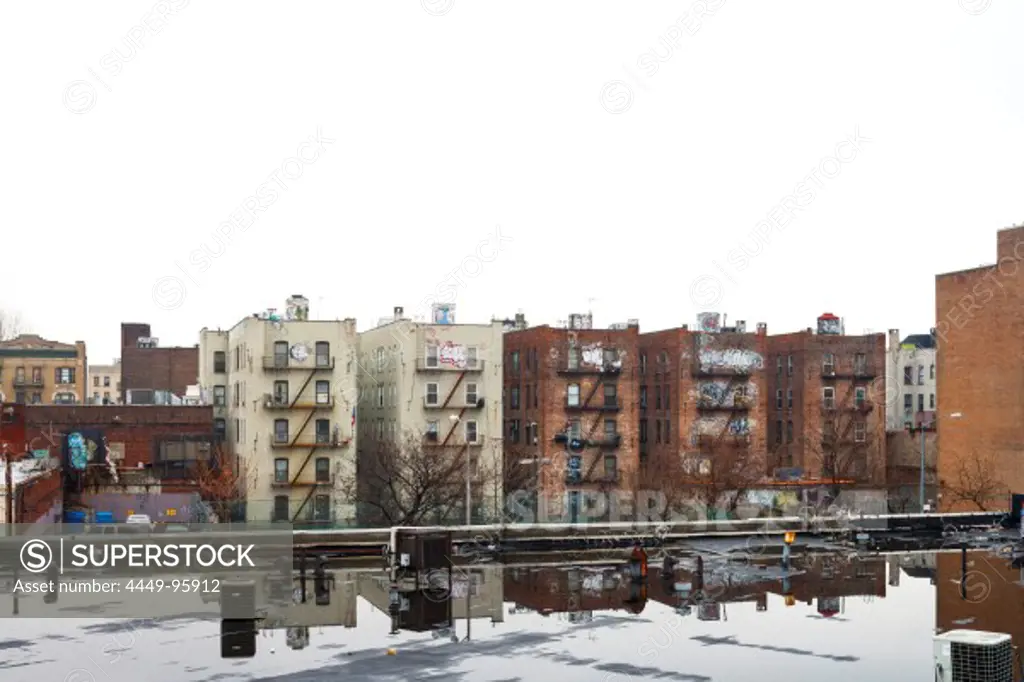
730 358
452 354
596 355
84 447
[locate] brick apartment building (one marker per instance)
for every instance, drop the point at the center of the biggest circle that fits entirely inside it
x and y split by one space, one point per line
570 409
826 416
149 371
703 395
979 323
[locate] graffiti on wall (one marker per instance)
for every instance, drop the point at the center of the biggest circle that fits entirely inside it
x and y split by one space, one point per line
84 447
715 425
720 393
594 355
730 358
451 354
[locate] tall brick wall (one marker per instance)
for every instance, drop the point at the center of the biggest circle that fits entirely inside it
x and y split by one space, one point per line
139 427
547 348
980 373
159 369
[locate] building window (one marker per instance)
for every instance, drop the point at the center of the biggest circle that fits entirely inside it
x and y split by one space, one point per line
828 396
65 375
611 466
106 382
860 432
220 427
908 404
860 396
471 432
778 365
611 398
573 359
931 401
657 397
860 364
920 402
280 430
380 396
514 398
37 375
668 430
64 398
828 364
573 399
513 430
643 397
431 394
611 429
575 428
238 430
322 508
667 391
220 361
19 397
37 398
323 392
931 372
514 361
536 391
281 508
778 431
908 376
323 354
280 392
657 430
643 363
280 354
789 432
323 431
96 397
643 430
432 427
281 470
471 396
609 356
323 470
472 357
430 355
106 397
789 398
778 399
95 380
789 365
220 395
920 375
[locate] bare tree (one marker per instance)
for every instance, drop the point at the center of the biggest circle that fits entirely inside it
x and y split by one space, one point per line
660 488
10 325
722 478
412 482
223 481
974 481
836 449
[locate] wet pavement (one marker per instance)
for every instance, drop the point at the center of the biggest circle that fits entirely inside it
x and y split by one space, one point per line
834 617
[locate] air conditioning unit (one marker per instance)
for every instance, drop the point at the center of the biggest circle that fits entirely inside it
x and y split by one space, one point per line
973 656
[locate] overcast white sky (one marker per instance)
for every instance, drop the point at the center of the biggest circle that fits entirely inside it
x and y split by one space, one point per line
452 118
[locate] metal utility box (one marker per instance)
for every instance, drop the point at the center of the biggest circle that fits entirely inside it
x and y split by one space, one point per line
426 551
428 610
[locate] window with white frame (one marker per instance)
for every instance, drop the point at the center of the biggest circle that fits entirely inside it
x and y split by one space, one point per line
431 355
471 432
860 432
432 428
573 397
472 357
828 363
908 404
220 395
575 428
931 401
828 397
471 396
431 394
920 375
860 396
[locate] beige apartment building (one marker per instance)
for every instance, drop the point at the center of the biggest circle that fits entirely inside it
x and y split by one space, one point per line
37 371
105 384
283 389
439 384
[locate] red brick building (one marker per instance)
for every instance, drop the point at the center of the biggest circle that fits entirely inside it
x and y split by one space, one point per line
573 389
979 317
826 396
703 396
147 368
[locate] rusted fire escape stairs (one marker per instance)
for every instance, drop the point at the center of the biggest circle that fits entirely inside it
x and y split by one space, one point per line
295 440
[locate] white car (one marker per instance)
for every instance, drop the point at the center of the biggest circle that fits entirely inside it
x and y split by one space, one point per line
141 520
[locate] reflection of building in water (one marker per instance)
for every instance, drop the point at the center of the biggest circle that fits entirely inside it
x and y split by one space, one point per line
336 607
579 590
479 589
919 566
992 599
